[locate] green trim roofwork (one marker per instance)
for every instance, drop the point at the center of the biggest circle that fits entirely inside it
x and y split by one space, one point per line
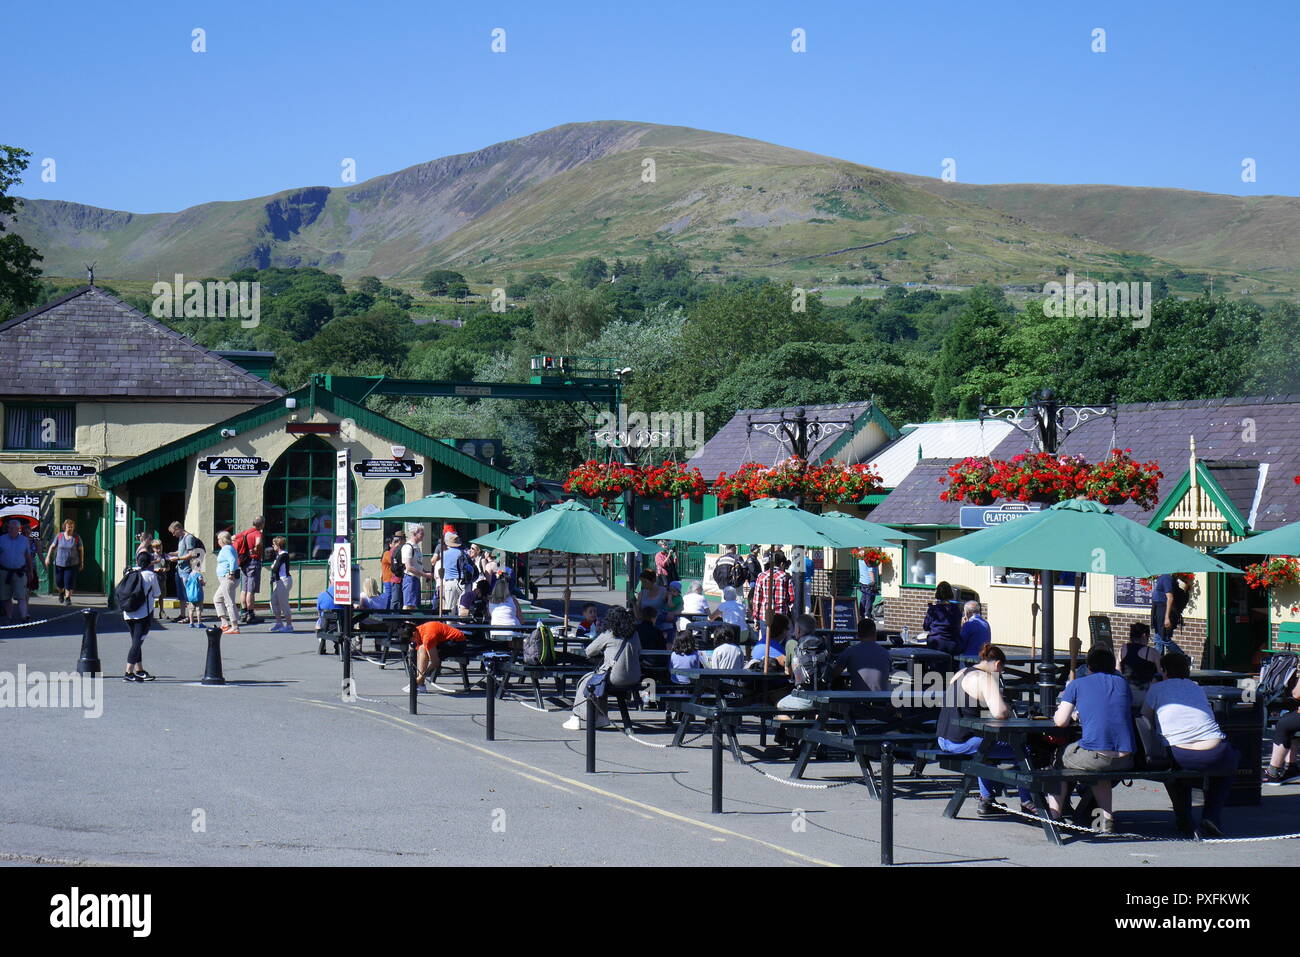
1236 521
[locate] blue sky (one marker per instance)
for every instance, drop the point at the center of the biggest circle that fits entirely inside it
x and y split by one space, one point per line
1012 91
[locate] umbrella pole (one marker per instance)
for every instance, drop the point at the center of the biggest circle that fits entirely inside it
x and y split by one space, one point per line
767 630
1047 670
568 587
1033 621
1074 633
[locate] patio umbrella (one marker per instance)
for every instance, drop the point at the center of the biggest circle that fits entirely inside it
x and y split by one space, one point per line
442 506
1078 536
569 527
1280 541
886 537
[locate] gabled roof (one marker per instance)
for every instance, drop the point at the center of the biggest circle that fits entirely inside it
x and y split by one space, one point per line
306 397
915 501
952 439
735 443
89 344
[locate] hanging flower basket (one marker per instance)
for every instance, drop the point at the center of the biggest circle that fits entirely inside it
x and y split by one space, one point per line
1277 572
671 480
873 556
828 482
1047 479
604 480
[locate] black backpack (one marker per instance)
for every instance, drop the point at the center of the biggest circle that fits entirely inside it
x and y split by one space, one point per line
724 571
130 591
467 572
1276 674
395 566
539 647
812 663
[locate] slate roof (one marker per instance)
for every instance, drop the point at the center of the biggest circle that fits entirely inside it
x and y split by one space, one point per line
89 344
1262 433
735 444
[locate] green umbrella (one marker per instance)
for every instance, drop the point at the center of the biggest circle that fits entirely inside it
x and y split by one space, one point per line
1280 541
1078 535
886 537
444 506
568 527
781 521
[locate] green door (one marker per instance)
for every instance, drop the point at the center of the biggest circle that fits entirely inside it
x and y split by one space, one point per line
1243 617
89 516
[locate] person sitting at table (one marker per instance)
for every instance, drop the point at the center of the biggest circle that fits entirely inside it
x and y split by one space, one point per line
805 626
1140 665
1282 767
1184 718
1104 705
652 595
943 621
693 603
975 632
589 627
868 664
730 609
684 655
727 653
972 689
473 602
652 637
501 607
428 638
619 651
672 608
773 645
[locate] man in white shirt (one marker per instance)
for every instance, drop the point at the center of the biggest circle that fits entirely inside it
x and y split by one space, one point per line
413 559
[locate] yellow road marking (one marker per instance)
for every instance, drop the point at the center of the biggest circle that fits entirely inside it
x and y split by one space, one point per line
582 785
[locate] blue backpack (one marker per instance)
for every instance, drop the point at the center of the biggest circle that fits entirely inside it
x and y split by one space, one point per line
193 588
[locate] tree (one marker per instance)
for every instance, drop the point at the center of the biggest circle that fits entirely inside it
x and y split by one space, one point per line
370 285
590 272
566 318
438 281
974 355
457 289
20 285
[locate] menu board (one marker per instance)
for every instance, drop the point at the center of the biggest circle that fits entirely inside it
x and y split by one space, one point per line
842 612
1132 593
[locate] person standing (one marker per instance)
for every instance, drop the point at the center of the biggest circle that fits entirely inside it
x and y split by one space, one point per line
1168 599
249 547
413 570
15 568
456 572
281 586
390 580
194 583
868 585
138 619
67 555
773 595
227 575
188 548
665 564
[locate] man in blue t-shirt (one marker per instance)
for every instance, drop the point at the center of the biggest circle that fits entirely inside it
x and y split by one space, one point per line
1104 706
1168 599
975 631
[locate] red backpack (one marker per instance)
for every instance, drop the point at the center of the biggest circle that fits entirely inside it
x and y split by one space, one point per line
243 550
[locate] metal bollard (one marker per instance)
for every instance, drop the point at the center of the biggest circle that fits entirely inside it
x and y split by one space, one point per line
717 765
411 672
212 670
591 735
491 703
89 663
887 803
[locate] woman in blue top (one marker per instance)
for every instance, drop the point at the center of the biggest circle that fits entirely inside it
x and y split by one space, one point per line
943 621
227 576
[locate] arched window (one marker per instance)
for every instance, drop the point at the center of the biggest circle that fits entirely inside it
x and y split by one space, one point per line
394 494
223 507
298 498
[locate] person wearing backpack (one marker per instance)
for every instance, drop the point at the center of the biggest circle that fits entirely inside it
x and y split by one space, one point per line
249 549
1282 767
188 548
457 573
390 572
67 555
194 583
1168 599
807 662
136 593
725 568
227 575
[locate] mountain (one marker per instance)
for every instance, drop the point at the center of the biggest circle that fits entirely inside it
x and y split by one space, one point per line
733 205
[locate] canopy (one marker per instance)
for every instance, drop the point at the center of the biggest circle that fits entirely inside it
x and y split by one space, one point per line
1280 541
444 506
779 521
568 527
1081 536
850 524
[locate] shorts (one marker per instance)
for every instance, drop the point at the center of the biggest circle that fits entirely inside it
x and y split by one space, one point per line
1078 758
792 702
436 641
251 578
13 585
65 576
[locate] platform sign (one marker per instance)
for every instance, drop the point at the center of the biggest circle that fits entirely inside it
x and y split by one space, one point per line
991 516
341 572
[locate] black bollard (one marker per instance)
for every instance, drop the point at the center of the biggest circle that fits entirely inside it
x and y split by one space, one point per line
717 765
887 803
492 702
411 672
591 735
89 663
345 630
212 670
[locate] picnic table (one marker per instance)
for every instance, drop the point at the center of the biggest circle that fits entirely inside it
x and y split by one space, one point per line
868 720
744 685
929 659
560 674
1214 676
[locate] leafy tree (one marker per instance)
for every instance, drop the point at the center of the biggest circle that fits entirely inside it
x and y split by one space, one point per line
566 318
370 285
974 355
437 282
457 289
20 286
590 272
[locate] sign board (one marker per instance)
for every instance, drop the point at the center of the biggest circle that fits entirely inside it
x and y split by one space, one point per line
370 524
233 465
341 572
64 469
842 613
341 461
23 505
387 468
119 513
1131 593
991 516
